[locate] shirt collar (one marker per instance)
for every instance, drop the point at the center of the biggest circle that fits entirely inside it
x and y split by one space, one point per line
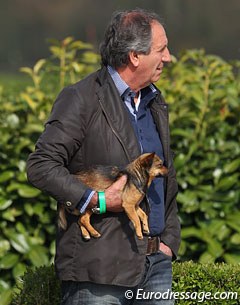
123 87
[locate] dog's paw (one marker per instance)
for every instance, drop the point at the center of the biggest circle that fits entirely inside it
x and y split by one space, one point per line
96 235
86 237
140 236
146 232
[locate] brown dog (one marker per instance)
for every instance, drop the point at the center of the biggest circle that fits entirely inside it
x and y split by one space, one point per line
140 174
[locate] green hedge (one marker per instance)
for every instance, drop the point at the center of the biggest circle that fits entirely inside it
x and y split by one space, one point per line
204 96
27 217
190 280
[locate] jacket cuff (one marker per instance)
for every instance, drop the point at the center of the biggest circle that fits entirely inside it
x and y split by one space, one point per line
83 203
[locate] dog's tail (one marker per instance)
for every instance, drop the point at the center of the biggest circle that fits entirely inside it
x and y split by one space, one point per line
62 221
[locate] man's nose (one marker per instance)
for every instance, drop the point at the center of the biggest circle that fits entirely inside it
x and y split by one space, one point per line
166 56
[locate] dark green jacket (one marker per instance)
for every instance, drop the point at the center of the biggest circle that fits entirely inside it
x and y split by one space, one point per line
89 125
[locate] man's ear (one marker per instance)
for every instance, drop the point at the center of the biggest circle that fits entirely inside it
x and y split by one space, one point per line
134 58
147 161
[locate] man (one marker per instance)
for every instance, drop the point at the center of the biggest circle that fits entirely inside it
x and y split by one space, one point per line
110 118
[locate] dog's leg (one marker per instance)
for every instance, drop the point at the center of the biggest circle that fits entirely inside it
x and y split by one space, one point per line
86 227
85 233
144 219
132 215
131 198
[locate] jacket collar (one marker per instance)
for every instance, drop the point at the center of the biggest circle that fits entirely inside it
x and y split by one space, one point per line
117 114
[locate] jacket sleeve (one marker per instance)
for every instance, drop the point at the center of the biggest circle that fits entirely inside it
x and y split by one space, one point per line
62 137
171 234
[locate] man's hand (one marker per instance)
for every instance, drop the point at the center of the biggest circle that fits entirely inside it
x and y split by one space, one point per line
165 249
113 195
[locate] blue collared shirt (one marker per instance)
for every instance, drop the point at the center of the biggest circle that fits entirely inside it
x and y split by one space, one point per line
149 141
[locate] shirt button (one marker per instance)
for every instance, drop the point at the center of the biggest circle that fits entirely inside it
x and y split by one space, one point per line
68 203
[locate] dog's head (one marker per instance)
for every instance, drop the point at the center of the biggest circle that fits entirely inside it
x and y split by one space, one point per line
153 165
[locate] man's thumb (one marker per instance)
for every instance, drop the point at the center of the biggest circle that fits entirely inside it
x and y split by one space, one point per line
120 183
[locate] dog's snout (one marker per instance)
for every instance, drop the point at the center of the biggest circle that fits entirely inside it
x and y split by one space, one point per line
160 163
164 171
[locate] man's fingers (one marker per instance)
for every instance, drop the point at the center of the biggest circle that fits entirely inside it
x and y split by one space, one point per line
113 195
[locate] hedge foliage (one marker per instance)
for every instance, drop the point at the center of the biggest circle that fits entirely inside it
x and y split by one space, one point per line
203 92
193 283
27 217
204 96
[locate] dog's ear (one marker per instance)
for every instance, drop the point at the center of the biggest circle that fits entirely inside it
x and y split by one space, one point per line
147 161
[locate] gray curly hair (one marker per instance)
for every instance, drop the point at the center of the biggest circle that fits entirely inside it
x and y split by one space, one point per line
127 31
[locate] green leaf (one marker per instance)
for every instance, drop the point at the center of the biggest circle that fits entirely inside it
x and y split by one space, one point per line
77 67
232 258
192 180
7 215
22 165
232 166
6 175
39 65
8 261
19 269
180 161
67 40
4 247
189 201
19 242
191 232
206 257
90 57
4 286
81 45
4 204
30 101
214 247
12 120
28 191
38 256
21 228
235 239
6 297
227 183
36 209
33 127
27 70
57 51
234 224
24 190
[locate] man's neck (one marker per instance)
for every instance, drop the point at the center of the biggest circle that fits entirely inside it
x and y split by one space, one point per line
130 78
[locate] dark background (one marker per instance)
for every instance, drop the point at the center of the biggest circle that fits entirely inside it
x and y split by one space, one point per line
25 25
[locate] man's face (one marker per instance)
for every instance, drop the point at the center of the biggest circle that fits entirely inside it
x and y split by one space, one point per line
151 65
